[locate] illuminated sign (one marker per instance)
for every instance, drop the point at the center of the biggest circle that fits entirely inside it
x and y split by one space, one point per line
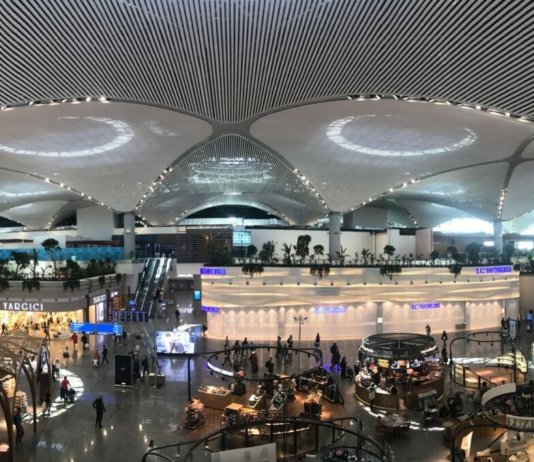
493 269
219 370
213 271
99 298
184 276
329 309
425 306
22 306
382 362
98 328
211 309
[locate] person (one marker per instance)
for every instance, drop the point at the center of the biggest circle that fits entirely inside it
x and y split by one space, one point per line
4 329
428 330
444 337
290 342
503 323
334 350
98 404
85 341
529 318
237 350
105 355
278 347
124 337
483 389
343 366
177 316
17 421
226 355
144 363
244 347
226 343
137 371
56 369
64 390
372 396
47 403
444 355
96 358
269 365
74 338
66 355
317 342
254 361
204 330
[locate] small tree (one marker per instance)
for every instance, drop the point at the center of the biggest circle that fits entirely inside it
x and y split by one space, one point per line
251 251
287 248
22 261
341 254
473 252
267 252
318 250
389 250
52 248
366 253
434 255
455 269
302 249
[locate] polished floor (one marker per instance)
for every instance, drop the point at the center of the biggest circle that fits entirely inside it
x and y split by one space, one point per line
136 415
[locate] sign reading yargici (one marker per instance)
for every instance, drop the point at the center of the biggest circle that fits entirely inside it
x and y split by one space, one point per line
493 269
22 306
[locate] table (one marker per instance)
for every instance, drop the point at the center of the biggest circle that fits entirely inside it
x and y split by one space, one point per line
216 399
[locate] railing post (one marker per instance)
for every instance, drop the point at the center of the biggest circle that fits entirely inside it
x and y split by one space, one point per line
295 442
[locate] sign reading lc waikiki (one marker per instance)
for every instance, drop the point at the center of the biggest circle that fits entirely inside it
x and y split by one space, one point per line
22 306
493 269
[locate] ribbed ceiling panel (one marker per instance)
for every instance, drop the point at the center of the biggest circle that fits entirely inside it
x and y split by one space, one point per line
232 165
231 60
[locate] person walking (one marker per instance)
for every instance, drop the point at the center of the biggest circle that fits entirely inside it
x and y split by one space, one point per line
177 316
269 365
428 330
4 329
98 404
144 363
47 403
74 338
104 355
254 361
64 390
66 355
444 337
17 421
85 341
317 342
137 371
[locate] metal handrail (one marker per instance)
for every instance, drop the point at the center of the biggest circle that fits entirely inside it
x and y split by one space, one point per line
383 449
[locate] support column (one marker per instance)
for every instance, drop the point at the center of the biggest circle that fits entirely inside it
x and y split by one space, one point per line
334 234
129 234
497 235
379 317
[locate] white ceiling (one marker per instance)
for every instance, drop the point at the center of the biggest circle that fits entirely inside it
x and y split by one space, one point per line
250 99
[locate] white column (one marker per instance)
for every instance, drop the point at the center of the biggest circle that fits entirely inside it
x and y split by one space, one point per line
497 235
129 234
379 318
334 231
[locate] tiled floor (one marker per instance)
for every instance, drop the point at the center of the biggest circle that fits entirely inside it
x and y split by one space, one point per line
136 415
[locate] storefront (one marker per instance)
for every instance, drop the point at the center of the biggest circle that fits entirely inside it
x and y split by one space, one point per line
32 315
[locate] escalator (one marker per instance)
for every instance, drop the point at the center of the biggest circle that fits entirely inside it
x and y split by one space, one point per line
151 285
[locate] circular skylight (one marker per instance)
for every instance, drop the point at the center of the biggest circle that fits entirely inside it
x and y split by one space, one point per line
396 136
92 135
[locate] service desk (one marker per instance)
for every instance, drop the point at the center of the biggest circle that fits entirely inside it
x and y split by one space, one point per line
214 397
383 399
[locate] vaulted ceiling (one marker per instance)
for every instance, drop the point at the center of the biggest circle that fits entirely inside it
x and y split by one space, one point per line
300 107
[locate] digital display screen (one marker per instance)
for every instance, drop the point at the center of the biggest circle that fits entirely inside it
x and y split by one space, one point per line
174 341
196 295
241 238
102 328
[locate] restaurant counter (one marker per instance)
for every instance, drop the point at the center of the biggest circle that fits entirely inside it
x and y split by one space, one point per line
383 399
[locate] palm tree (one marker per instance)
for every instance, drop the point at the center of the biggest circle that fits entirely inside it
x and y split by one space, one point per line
287 248
318 250
389 250
52 248
35 262
366 254
341 255
22 261
356 257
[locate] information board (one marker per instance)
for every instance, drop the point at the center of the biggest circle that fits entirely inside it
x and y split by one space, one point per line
102 328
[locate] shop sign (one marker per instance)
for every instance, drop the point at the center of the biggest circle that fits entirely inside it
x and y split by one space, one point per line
99 299
213 271
520 423
186 275
211 309
425 306
329 309
493 269
22 306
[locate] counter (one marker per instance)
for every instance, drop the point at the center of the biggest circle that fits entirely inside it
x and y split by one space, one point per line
215 397
382 400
